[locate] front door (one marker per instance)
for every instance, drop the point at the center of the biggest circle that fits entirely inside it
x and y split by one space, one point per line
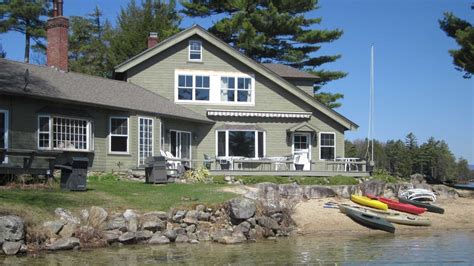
302 147
181 144
145 139
4 132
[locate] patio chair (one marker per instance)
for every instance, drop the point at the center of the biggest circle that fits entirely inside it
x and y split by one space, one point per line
300 160
208 160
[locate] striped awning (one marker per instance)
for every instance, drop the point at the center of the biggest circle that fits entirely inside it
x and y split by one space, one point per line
265 114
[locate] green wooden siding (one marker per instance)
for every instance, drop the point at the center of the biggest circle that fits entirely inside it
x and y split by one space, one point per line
158 73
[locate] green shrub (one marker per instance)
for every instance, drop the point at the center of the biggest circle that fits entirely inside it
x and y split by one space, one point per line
384 176
343 180
198 175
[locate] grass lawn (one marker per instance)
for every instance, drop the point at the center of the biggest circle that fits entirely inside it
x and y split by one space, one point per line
300 180
37 205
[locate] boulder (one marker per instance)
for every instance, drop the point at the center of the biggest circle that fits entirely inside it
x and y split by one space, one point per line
65 243
179 216
67 216
127 237
267 222
373 186
53 227
194 241
158 239
233 239
417 179
182 239
291 191
158 214
318 192
132 225
189 220
345 191
97 217
130 214
11 248
153 225
12 228
191 228
259 232
203 236
111 236
170 234
143 235
204 216
68 230
241 209
84 215
269 192
445 192
243 228
117 222
217 235
200 208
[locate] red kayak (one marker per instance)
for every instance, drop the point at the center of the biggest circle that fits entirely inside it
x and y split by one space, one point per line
395 205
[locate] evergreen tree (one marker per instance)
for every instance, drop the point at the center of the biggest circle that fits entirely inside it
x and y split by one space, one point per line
274 31
136 22
462 170
88 44
25 17
463 32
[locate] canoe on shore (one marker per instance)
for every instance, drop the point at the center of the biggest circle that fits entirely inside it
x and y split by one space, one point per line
391 216
363 200
429 207
368 220
395 205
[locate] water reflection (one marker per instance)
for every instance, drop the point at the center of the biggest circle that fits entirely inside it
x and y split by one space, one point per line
447 248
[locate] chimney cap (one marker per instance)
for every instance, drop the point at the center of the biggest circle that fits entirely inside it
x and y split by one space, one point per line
153 34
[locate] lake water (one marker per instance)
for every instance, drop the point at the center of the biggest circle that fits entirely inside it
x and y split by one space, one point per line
455 247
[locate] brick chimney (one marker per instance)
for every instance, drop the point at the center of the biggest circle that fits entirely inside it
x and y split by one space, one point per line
57 35
152 40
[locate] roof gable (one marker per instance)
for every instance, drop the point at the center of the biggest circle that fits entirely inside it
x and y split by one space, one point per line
259 68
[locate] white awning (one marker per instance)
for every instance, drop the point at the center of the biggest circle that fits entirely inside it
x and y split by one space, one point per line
266 114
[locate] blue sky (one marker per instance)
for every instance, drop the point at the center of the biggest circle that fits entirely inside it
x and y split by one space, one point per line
417 88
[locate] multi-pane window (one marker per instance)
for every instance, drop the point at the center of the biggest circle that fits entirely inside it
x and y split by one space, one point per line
243 143
185 87
244 86
195 51
145 139
300 142
44 129
327 146
63 133
227 89
119 134
201 92
232 92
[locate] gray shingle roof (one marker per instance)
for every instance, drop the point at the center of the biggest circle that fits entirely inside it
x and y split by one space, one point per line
46 82
289 72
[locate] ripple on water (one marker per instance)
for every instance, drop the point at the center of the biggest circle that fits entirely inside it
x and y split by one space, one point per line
439 248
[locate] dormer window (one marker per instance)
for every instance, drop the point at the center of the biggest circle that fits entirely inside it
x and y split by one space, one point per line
195 51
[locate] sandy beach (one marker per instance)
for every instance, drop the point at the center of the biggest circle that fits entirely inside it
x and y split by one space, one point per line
312 218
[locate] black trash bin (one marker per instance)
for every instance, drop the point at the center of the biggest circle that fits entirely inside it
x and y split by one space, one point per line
74 175
155 170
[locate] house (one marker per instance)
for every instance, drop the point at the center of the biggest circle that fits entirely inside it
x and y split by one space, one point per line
258 110
190 95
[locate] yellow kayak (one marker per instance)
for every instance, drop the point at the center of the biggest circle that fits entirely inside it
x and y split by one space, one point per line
363 200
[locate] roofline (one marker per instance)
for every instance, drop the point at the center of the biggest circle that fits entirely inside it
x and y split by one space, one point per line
110 107
196 29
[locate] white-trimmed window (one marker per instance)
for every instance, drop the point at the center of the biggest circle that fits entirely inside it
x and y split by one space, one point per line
145 139
193 88
327 146
44 132
64 133
236 89
195 50
119 135
242 143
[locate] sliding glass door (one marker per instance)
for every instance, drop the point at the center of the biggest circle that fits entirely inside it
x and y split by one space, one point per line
180 144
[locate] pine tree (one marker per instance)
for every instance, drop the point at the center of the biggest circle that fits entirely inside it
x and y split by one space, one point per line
25 17
274 31
136 22
463 32
88 44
